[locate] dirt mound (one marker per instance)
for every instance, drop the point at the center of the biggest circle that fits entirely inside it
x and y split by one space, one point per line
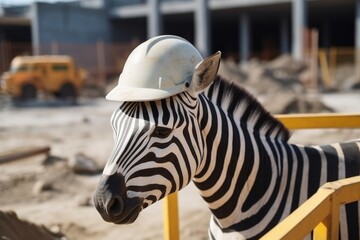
289 102
281 83
11 227
283 73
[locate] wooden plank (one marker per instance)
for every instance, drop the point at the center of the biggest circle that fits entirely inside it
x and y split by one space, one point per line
20 153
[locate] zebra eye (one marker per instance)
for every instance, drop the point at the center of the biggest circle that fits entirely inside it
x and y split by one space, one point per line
161 132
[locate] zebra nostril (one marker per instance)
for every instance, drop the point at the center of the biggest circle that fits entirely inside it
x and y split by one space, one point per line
115 206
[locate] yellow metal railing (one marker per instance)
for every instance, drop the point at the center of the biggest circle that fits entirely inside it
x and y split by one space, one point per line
320 212
314 121
293 122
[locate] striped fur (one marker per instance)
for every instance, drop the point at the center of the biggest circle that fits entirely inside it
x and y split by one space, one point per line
237 154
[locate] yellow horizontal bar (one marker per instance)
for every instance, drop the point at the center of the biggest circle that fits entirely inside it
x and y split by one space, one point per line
304 219
347 189
311 121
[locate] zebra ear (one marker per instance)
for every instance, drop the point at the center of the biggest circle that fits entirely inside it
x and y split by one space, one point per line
205 72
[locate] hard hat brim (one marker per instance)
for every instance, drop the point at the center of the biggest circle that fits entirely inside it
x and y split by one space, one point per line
134 94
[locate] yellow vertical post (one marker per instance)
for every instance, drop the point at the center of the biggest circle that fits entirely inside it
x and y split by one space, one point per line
325 72
328 229
323 230
171 217
335 216
333 60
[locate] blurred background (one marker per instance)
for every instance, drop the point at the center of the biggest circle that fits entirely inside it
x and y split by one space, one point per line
99 34
58 59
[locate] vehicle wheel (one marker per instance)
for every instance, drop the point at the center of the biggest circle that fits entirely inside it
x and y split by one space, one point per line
67 91
28 92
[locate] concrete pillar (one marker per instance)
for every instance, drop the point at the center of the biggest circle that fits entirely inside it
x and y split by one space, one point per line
357 24
35 28
284 35
202 27
244 37
357 41
2 35
299 16
154 20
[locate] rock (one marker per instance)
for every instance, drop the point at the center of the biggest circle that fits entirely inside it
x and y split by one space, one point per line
86 120
84 200
290 102
278 103
41 186
287 64
51 159
83 164
231 71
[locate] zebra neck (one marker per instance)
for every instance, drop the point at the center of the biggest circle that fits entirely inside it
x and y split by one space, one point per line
247 184
237 178
233 176
268 180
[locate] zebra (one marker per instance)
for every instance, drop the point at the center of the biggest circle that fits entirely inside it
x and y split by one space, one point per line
219 136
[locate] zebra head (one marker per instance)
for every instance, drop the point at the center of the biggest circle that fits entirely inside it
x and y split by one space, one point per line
158 148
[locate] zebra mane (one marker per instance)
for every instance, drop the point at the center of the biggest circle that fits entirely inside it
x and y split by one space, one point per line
237 101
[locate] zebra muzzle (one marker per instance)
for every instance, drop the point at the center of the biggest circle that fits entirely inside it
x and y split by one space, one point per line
112 203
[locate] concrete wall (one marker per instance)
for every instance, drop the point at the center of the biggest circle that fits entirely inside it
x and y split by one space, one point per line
129 30
64 23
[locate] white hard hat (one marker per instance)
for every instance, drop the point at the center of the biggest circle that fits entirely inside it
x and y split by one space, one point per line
158 68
